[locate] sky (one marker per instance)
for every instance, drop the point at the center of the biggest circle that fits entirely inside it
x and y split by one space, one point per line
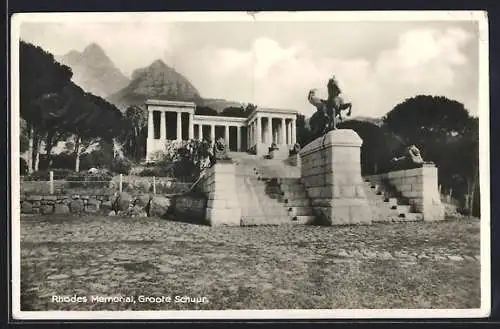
275 63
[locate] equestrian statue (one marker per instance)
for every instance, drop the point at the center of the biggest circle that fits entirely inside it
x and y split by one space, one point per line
327 111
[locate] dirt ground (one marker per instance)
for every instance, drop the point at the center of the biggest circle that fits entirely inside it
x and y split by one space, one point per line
146 261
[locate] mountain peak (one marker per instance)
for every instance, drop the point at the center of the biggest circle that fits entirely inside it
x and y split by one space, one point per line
94 71
92 48
157 80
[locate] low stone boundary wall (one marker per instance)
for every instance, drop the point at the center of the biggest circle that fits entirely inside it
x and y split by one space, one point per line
121 204
190 207
331 173
420 186
219 185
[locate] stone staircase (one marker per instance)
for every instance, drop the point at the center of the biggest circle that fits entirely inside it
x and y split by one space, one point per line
270 192
388 205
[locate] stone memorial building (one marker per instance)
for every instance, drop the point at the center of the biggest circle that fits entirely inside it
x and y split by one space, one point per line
176 121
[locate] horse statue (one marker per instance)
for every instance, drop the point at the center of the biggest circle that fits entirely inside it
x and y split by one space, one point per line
327 111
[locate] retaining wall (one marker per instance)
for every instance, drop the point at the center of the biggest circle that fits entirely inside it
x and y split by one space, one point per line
420 186
219 186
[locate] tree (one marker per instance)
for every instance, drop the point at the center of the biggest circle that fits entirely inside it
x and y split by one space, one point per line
446 135
205 110
133 137
304 135
234 112
378 148
428 122
40 78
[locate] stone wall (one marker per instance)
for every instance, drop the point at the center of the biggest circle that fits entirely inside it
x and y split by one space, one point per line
64 204
219 185
121 204
331 173
190 207
420 186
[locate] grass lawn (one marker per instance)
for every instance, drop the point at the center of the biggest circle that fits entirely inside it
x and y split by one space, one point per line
248 268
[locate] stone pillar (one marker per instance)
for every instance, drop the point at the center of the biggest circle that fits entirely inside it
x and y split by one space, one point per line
212 134
179 126
191 126
426 179
283 131
258 122
223 207
238 138
289 132
294 133
151 125
200 132
226 136
163 126
251 133
331 173
269 131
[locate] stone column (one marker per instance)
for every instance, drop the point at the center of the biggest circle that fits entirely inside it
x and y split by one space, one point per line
226 136
163 126
191 126
283 131
289 132
200 131
258 122
212 134
294 133
179 126
250 128
238 138
151 125
331 173
269 131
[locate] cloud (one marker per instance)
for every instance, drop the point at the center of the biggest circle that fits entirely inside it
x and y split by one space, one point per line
276 64
424 60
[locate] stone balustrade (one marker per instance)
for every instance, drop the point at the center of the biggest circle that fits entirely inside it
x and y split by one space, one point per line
420 186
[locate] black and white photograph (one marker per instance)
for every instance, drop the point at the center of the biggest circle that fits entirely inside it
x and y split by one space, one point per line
250 165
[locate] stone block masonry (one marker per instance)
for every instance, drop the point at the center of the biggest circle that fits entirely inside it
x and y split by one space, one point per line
331 173
419 186
219 185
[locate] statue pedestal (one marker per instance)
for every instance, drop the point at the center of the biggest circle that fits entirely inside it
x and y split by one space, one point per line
331 173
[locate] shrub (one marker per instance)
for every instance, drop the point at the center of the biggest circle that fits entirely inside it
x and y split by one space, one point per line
157 172
23 166
88 180
121 166
96 159
44 175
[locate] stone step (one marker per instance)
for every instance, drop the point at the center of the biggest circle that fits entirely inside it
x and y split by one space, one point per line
300 211
402 209
297 202
265 220
292 187
304 220
414 216
391 201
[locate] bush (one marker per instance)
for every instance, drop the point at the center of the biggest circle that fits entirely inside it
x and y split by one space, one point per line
44 175
121 166
87 180
23 166
96 159
157 172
